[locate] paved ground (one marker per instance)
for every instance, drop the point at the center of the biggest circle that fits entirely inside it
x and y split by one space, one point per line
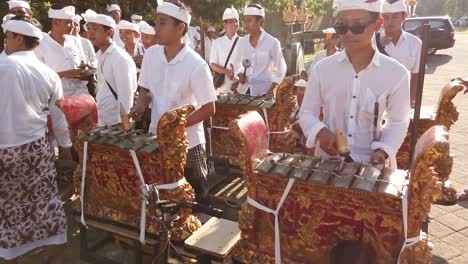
448 228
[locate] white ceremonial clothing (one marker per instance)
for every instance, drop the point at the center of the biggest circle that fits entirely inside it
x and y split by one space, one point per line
63 58
185 80
348 98
117 68
26 101
219 53
268 64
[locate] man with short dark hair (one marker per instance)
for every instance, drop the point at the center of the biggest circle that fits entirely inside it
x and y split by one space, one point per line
357 88
398 44
174 75
88 49
222 46
116 73
63 52
268 67
32 213
19 8
115 12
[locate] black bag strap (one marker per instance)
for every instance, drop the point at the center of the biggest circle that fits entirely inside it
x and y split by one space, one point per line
230 52
379 45
108 85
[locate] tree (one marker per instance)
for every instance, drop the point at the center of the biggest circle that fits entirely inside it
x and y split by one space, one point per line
209 10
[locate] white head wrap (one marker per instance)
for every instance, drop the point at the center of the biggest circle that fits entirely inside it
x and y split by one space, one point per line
124 24
300 83
18 3
146 28
22 28
92 17
174 11
390 6
254 11
230 13
67 12
211 29
113 7
369 5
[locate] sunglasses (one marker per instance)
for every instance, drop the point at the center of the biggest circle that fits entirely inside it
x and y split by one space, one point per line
356 29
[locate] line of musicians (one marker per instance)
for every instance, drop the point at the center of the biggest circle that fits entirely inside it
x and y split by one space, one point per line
354 87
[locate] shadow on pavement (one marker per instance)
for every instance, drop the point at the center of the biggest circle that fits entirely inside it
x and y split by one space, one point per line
435 61
438 260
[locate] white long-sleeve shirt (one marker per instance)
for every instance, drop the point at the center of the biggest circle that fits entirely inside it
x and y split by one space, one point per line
117 40
268 64
118 68
407 51
88 50
63 58
28 94
348 98
219 53
185 80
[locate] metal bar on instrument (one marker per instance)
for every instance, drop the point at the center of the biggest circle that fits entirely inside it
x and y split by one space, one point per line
419 91
376 120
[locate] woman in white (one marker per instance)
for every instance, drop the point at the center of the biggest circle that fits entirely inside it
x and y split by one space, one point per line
221 48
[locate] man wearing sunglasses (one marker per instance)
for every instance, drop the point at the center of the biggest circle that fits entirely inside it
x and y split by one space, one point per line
357 89
398 44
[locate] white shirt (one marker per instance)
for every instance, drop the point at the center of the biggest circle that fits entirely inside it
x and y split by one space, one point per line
3 54
120 71
63 58
348 99
219 53
407 51
116 38
88 50
194 37
265 56
29 92
139 49
318 58
185 80
208 48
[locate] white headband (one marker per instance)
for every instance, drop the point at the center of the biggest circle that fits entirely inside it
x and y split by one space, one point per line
369 5
394 7
254 11
92 17
113 7
22 28
211 29
174 11
77 19
67 12
136 17
15 3
329 31
124 24
146 28
7 17
230 13
300 83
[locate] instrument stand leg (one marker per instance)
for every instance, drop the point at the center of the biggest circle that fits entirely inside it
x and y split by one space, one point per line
137 251
83 239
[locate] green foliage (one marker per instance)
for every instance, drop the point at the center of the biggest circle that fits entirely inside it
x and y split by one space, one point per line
209 10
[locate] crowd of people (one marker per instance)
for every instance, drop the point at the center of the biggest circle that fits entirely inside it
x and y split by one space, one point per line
369 78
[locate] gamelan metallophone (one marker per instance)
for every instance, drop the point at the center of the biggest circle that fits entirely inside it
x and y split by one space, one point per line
119 168
299 208
276 111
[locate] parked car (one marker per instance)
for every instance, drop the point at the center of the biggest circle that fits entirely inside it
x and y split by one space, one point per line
442 34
